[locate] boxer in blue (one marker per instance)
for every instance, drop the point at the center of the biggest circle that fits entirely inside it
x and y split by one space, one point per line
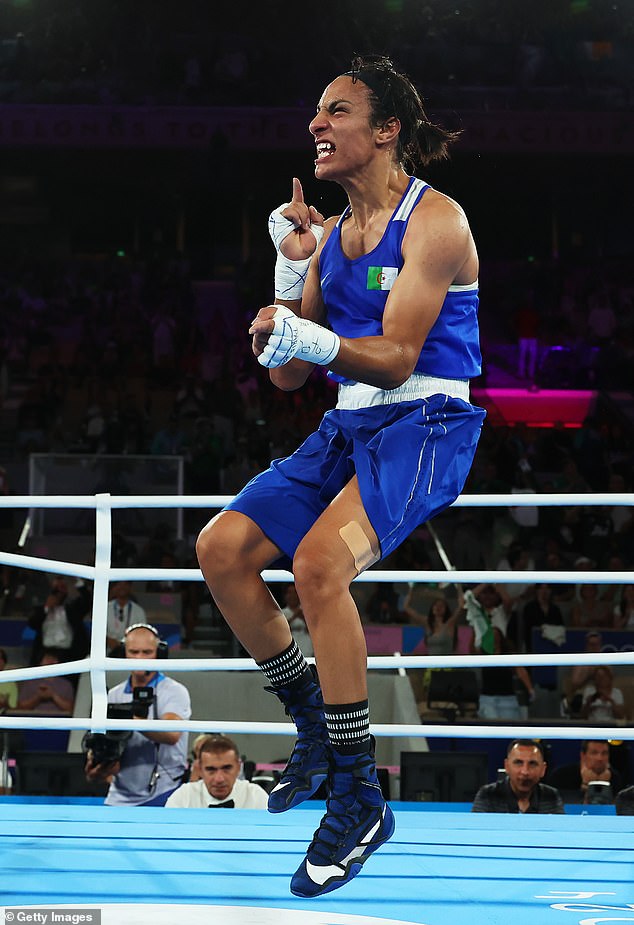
385 296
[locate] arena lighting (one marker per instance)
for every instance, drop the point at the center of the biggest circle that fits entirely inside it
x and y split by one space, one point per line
538 407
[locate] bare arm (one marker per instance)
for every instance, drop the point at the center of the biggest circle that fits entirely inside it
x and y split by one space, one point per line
46 692
164 738
525 678
619 710
586 705
415 615
437 247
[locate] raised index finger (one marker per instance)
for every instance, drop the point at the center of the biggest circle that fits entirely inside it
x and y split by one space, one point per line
298 192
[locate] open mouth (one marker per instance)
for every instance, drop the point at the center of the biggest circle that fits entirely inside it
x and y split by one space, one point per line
324 150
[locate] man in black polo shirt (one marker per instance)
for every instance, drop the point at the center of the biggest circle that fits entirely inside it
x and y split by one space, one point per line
594 764
521 791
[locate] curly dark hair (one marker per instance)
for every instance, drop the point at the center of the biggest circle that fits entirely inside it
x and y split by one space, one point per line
392 94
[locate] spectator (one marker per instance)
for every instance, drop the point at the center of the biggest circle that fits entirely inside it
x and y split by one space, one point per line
612 594
517 559
620 514
570 479
59 624
594 764
560 594
591 452
153 763
602 320
8 689
169 440
624 610
193 595
219 784
597 531
205 458
488 617
589 610
602 702
580 676
521 790
382 604
46 696
439 623
541 613
527 322
194 766
190 401
526 517
123 612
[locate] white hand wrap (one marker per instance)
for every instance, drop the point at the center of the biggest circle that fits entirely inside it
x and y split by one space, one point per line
293 336
290 275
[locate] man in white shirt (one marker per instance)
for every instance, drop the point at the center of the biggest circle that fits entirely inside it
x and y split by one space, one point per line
123 612
219 785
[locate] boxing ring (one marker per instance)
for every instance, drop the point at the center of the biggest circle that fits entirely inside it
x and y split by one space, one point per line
67 862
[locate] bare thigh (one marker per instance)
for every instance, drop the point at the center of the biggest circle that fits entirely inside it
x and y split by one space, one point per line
232 551
341 543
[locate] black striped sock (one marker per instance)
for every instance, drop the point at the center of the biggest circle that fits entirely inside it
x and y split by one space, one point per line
348 725
290 665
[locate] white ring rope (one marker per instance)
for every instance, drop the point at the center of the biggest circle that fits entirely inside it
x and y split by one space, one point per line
102 574
103 550
458 576
567 499
375 662
449 730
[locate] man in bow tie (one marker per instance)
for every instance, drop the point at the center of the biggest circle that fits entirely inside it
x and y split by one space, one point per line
220 785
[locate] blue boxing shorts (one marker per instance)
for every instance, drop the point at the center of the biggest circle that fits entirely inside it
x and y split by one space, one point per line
411 459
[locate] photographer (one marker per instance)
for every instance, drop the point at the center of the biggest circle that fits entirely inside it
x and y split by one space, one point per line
152 764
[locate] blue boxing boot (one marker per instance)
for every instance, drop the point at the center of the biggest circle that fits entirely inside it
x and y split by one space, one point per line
357 822
307 767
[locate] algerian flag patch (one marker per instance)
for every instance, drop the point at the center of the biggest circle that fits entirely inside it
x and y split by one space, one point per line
381 277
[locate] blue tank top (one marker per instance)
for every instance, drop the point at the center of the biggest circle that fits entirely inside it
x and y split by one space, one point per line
355 293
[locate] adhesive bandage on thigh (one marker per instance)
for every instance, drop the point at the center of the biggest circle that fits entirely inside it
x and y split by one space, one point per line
359 545
293 336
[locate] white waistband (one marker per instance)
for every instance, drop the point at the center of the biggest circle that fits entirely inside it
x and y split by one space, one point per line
354 395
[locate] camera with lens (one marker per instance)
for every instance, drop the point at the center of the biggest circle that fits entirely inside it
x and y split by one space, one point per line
142 700
105 747
108 747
